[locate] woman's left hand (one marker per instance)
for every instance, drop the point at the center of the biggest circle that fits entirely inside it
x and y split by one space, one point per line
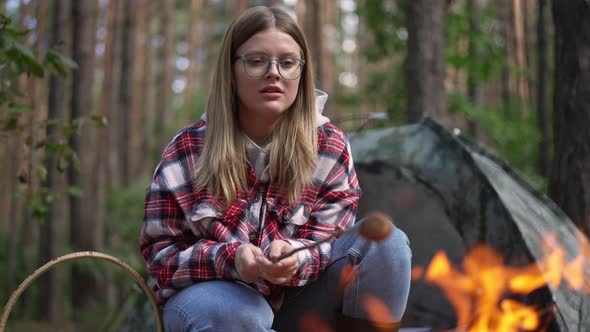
281 272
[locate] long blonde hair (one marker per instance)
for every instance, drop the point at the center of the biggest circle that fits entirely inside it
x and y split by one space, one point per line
293 152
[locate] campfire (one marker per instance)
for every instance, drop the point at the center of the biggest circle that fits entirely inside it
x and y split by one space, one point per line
485 292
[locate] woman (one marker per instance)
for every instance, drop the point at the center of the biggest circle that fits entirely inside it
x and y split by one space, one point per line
261 174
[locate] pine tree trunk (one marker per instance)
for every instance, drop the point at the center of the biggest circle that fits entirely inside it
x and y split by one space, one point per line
570 178
148 86
164 93
83 227
52 232
425 62
312 26
125 78
193 52
542 75
115 172
35 92
136 157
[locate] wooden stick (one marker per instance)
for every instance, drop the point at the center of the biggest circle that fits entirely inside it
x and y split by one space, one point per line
75 256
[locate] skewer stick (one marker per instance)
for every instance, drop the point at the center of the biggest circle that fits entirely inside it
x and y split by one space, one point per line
375 227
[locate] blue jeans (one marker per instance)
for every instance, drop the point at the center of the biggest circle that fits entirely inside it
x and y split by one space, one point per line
382 269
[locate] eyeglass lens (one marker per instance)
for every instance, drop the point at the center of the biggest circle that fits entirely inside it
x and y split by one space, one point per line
259 65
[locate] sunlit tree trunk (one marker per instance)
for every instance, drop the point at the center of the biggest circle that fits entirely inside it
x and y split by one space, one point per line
520 47
84 234
542 91
425 62
570 177
329 43
236 7
312 26
107 104
148 86
505 77
53 230
164 91
138 94
193 51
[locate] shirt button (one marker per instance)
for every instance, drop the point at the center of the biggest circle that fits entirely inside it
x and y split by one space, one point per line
257 197
287 215
253 236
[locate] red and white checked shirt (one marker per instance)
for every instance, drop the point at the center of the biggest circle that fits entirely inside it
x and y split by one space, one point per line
187 237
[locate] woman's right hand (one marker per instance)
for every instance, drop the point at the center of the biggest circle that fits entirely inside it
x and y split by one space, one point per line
246 262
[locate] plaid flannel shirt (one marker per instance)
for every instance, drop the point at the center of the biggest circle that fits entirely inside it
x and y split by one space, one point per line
188 237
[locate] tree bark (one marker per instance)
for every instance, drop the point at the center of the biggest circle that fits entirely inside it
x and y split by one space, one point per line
138 94
312 26
35 91
125 78
148 86
83 226
425 62
570 179
542 75
520 43
52 232
164 93
193 52
236 7
114 173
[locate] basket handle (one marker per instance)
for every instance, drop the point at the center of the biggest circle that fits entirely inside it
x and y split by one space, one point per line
75 256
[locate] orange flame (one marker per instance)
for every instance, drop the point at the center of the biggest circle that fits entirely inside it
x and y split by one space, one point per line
478 292
310 322
377 310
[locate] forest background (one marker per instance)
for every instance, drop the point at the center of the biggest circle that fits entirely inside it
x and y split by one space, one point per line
91 91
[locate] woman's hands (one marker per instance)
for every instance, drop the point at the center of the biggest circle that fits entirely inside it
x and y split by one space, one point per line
252 264
281 272
247 263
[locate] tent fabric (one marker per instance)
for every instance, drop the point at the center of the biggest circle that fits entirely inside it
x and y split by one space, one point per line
450 194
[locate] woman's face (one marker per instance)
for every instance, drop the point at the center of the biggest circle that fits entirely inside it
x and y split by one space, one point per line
266 97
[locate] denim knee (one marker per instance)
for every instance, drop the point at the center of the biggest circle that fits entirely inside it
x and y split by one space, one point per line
217 306
383 273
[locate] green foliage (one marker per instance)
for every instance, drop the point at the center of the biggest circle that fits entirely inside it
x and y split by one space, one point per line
514 137
386 23
489 51
124 219
509 129
16 59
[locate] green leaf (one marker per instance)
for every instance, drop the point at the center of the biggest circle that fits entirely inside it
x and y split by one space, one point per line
10 123
75 191
62 165
99 120
41 171
59 63
23 57
67 131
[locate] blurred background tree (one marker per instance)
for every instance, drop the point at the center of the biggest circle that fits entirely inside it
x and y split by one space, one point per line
143 72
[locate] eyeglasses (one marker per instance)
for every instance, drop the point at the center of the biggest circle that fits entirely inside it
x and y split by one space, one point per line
258 65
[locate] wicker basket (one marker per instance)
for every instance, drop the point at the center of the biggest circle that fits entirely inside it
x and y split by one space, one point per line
76 256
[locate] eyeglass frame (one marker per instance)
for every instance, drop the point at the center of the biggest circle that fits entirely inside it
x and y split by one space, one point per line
243 57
